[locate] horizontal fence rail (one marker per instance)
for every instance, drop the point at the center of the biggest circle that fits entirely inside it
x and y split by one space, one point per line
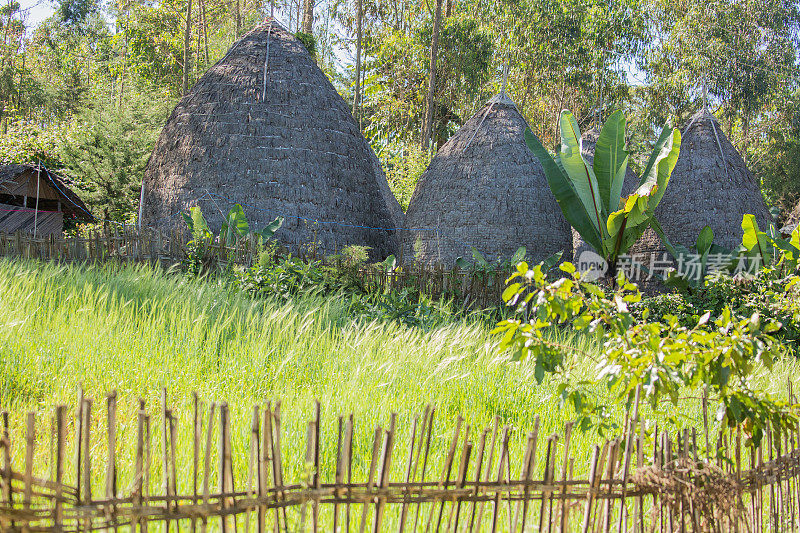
127 244
633 482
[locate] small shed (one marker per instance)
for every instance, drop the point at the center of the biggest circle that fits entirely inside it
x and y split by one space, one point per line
35 200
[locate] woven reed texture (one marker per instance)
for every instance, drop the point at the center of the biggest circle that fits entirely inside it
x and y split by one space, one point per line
292 150
480 482
484 188
710 186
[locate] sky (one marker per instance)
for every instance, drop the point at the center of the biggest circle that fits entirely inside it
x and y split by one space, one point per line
36 10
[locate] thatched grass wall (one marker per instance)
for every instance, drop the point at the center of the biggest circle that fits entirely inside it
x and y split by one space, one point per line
484 188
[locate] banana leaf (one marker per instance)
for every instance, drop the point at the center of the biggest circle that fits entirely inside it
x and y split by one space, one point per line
565 194
579 172
611 161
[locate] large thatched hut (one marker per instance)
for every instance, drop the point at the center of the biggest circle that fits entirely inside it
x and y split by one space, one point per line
710 186
485 189
265 128
36 200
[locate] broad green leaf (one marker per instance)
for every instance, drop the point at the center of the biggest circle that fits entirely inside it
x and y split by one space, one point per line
552 261
462 263
565 194
659 167
755 240
478 257
704 240
579 172
237 223
271 228
197 223
661 235
519 255
611 161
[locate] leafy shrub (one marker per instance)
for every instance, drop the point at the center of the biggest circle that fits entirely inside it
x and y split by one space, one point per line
309 41
770 296
658 358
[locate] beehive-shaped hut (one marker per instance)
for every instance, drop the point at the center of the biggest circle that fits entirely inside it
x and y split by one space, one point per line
710 186
629 185
266 129
485 189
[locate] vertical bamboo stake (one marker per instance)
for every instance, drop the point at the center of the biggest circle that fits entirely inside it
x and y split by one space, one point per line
622 524
373 465
488 474
111 462
427 439
564 475
138 466
338 478
172 502
30 447
478 479
445 479
407 478
383 473
87 461
78 443
197 437
500 468
317 474
61 429
207 464
595 475
461 478
522 506
277 470
263 466
147 461
309 462
252 464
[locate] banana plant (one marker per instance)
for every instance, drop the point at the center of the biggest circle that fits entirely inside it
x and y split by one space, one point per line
590 195
769 248
235 225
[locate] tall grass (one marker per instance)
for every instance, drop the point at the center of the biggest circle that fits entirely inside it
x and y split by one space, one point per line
136 330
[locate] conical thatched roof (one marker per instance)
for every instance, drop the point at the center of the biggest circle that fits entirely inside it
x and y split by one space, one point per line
265 128
484 188
793 221
629 184
710 186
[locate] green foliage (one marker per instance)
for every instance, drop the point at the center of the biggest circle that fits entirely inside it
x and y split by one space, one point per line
107 152
309 41
590 195
404 167
658 357
767 294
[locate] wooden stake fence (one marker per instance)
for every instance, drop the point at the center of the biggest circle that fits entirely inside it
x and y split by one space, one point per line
127 245
478 485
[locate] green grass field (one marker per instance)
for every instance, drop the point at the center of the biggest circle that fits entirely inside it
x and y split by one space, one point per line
136 330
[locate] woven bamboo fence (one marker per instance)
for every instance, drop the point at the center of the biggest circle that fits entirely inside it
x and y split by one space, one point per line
643 480
126 244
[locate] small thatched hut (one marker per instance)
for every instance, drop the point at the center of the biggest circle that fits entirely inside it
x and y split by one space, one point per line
710 186
485 189
36 200
792 222
266 129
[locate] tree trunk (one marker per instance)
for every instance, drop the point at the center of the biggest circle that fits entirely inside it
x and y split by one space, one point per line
205 27
308 16
449 9
426 133
124 63
357 95
238 18
187 46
